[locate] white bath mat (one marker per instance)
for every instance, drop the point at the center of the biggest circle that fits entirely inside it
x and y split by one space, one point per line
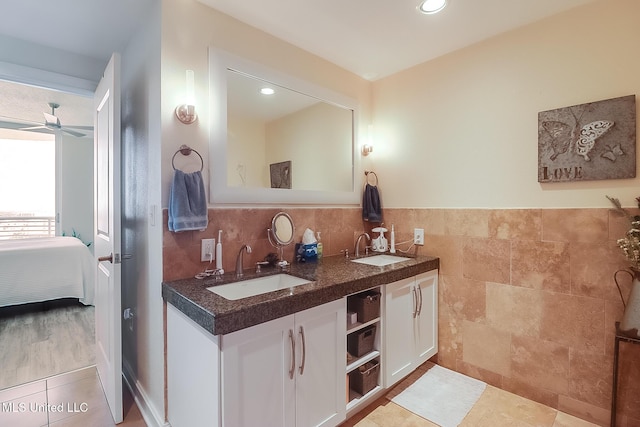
441 396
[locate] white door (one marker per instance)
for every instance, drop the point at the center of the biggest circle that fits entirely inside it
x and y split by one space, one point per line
107 235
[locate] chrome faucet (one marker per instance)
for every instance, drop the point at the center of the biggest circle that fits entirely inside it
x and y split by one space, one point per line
357 248
239 259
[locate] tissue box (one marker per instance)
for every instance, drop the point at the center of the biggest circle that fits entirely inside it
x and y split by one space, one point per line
306 252
310 251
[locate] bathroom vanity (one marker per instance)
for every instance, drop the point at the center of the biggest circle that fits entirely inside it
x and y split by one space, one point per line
280 358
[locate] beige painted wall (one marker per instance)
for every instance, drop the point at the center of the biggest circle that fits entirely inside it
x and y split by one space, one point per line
461 130
188 29
247 152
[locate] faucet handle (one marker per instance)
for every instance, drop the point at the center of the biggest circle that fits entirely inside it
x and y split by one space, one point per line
345 252
259 265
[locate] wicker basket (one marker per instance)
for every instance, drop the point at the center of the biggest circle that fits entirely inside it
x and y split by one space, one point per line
366 304
361 342
365 378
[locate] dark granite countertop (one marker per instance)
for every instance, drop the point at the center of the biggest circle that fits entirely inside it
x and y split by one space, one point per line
331 278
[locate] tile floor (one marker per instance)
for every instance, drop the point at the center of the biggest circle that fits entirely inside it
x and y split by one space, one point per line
495 408
76 399
73 399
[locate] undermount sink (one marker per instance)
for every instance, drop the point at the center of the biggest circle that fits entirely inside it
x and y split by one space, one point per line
257 286
380 260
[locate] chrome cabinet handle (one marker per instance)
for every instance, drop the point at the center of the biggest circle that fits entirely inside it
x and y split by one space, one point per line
293 354
420 306
304 352
415 301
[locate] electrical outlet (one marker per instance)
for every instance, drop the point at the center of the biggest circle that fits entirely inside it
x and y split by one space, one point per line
207 250
418 236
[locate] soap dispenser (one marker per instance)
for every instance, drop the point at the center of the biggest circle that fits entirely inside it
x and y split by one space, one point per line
379 244
319 245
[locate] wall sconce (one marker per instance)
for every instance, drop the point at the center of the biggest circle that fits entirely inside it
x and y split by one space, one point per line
186 112
367 147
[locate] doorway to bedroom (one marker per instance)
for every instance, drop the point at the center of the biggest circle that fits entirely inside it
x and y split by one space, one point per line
47 192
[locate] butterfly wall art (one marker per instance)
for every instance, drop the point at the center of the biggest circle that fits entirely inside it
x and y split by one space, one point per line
591 141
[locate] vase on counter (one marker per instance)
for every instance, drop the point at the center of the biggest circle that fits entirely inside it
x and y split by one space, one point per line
630 323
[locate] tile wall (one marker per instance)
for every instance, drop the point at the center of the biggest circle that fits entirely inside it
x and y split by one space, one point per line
527 298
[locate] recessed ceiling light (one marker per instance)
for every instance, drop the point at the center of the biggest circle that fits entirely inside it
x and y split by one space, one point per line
267 91
432 6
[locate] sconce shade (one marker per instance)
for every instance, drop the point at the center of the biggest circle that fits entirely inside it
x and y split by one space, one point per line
186 112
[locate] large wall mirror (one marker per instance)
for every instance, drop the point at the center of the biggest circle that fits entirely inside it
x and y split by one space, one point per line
294 145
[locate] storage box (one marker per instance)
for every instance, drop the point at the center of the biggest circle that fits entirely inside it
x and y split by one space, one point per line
352 318
361 342
366 304
365 378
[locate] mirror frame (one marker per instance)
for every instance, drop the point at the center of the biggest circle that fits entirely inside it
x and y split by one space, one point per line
274 229
220 193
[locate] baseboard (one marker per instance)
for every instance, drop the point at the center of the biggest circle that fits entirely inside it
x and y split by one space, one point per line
151 416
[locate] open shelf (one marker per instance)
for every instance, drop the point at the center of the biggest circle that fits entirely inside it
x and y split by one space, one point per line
356 398
359 339
357 326
362 360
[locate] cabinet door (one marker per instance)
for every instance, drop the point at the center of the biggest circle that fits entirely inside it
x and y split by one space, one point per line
400 306
257 389
320 365
426 322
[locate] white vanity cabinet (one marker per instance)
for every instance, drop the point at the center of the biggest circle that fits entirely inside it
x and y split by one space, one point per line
410 313
193 372
285 372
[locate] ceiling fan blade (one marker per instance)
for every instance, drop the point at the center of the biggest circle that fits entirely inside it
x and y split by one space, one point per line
72 132
79 127
34 128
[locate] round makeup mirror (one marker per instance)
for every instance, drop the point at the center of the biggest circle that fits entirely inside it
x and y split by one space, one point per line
281 233
281 229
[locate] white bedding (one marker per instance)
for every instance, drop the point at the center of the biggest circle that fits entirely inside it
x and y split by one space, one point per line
41 269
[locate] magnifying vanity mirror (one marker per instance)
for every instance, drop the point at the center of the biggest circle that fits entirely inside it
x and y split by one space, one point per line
296 145
281 232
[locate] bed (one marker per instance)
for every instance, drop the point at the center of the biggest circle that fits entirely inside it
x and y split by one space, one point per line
42 269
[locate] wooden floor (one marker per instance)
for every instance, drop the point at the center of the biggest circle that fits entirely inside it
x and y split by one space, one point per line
45 339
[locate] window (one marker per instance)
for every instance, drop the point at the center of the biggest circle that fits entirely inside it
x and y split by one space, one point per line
27 184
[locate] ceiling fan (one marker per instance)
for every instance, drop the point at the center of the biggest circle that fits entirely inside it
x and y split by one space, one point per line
52 122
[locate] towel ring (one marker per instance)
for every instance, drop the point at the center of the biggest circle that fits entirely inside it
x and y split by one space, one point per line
185 150
367 173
